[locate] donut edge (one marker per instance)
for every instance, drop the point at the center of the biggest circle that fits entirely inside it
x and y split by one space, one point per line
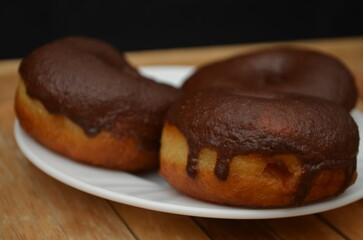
61 135
235 190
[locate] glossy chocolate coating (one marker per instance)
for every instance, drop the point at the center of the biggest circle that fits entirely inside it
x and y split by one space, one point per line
238 122
292 70
91 83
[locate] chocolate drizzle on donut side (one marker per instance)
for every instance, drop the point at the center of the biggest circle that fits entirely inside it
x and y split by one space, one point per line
235 122
311 172
91 83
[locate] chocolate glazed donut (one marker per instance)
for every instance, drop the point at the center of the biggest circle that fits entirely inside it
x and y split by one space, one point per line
288 69
90 83
224 146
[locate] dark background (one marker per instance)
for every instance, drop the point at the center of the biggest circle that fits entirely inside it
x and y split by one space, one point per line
140 25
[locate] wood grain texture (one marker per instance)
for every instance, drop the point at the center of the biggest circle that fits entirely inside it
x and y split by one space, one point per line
227 229
34 203
35 206
8 81
302 228
147 224
348 219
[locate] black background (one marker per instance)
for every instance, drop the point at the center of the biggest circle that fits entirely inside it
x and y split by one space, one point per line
140 25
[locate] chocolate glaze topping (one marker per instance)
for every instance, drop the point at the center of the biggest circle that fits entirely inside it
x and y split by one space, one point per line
91 83
288 69
238 122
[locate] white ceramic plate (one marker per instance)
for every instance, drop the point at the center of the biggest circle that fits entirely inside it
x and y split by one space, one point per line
150 190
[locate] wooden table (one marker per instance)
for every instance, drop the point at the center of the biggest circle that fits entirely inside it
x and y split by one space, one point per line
35 206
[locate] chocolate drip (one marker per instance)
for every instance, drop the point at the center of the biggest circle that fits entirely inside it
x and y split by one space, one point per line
221 169
91 83
192 164
312 172
240 122
306 183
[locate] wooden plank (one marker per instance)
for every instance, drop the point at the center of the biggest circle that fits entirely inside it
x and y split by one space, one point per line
81 215
302 228
39 202
23 214
147 224
8 81
228 229
348 219
9 67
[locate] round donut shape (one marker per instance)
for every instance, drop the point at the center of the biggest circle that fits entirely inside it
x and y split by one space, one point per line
79 97
258 148
289 69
